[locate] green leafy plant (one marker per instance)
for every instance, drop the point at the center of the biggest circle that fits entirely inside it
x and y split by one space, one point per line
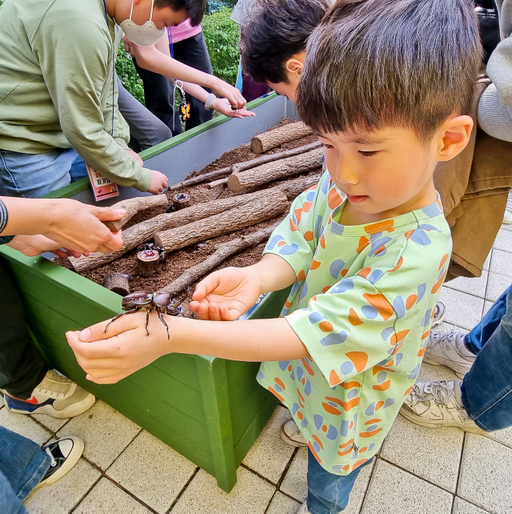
128 75
222 36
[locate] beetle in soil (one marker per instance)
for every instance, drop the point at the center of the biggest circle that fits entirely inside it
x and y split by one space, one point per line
146 301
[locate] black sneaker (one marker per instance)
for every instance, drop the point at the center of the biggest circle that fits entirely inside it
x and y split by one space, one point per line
64 454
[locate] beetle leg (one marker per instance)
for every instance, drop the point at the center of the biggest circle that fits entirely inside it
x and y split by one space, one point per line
147 321
117 317
163 321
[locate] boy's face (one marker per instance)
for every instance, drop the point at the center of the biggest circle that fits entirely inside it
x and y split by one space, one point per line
384 173
293 69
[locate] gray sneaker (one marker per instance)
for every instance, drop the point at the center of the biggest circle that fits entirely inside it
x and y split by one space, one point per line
291 435
448 349
438 404
439 312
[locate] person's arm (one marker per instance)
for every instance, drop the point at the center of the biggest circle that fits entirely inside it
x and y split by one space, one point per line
69 223
156 58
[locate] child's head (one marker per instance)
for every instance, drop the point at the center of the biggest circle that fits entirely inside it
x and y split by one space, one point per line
382 77
274 38
195 8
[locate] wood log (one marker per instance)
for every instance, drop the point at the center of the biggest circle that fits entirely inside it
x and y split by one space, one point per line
134 205
117 282
275 170
144 231
278 136
200 178
222 252
242 166
251 213
293 188
148 262
181 201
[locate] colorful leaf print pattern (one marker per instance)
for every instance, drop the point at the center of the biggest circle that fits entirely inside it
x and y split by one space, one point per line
362 305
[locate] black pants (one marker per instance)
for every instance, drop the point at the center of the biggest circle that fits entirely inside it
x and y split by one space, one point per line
21 365
158 90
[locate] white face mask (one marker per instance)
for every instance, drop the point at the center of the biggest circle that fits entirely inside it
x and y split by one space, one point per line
142 35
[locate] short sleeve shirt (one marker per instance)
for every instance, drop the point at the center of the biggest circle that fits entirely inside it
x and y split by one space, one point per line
362 305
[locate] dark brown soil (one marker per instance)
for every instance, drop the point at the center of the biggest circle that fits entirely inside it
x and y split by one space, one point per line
179 261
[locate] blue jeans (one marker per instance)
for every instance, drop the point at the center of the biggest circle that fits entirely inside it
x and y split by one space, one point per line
487 387
22 466
36 175
328 493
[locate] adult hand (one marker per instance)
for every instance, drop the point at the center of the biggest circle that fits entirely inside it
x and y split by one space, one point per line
158 182
223 106
34 245
128 45
79 228
231 93
109 352
226 294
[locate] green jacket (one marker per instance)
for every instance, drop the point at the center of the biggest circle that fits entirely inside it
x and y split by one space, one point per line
57 88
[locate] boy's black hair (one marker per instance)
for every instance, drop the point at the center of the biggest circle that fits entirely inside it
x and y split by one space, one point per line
273 32
195 8
375 63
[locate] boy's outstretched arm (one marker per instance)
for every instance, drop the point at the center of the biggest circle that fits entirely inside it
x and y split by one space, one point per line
124 348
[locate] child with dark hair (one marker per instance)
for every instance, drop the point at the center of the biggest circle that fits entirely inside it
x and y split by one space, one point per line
385 84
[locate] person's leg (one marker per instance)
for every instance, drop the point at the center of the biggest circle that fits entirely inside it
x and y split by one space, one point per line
481 333
487 388
23 464
159 98
193 52
145 127
21 366
328 493
35 175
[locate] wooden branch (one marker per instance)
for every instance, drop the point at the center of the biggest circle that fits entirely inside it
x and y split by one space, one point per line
250 213
242 166
222 252
144 231
201 178
134 205
278 136
216 183
275 170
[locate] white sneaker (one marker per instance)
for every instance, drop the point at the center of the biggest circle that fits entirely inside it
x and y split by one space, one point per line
436 405
303 509
448 349
55 395
507 217
291 435
64 454
439 312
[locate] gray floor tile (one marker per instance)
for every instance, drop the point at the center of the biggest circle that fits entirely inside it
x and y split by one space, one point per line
282 504
52 424
501 262
269 454
496 285
295 481
25 426
432 454
485 474
105 431
501 436
394 491
503 240
475 286
152 471
66 493
251 495
462 309
107 498
463 507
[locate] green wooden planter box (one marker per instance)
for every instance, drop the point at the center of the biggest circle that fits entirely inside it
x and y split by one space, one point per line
209 410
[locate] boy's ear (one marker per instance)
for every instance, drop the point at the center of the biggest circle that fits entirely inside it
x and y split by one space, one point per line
294 67
454 135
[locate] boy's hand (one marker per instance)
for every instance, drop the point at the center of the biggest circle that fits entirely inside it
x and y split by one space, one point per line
124 348
158 182
225 294
231 93
223 106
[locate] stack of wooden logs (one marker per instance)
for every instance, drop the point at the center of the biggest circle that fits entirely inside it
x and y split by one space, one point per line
199 222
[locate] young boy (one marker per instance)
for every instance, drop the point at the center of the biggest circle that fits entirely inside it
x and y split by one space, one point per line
385 84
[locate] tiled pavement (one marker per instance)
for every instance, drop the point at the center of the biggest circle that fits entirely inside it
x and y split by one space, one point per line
419 471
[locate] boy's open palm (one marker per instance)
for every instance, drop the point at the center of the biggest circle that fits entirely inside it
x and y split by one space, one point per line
226 294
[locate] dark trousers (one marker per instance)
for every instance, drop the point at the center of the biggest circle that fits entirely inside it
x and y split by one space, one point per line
158 90
21 365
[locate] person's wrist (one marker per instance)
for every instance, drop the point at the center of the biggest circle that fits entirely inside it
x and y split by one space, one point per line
210 100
